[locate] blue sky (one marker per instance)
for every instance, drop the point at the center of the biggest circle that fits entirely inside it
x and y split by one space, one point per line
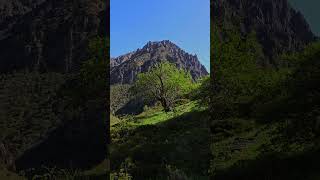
184 22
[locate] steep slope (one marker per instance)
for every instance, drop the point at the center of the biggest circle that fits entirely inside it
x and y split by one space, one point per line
50 35
256 140
124 69
279 28
154 140
118 60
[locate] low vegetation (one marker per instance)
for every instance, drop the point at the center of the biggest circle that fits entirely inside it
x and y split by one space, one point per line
263 119
158 144
54 123
169 139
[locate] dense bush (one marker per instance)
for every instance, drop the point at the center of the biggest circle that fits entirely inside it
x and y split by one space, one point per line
119 96
298 97
29 108
201 91
238 79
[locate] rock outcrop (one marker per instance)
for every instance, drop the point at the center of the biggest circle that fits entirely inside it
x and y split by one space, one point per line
124 69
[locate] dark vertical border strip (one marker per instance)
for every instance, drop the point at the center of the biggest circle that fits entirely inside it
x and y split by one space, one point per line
212 68
108 140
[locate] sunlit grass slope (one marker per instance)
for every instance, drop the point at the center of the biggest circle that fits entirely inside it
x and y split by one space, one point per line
155 143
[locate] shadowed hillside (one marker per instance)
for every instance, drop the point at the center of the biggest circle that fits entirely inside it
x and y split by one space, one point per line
264 119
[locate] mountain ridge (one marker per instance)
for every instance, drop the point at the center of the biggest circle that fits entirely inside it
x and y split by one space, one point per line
124 68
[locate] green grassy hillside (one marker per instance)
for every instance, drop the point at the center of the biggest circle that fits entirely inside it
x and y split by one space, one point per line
264 120
158 145
243 149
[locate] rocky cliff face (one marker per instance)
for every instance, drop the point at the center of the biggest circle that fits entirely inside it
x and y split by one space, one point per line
50 35
124 69
278 26
117 61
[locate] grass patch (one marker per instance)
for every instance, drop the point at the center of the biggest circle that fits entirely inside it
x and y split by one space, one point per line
156 115
144 146
260 151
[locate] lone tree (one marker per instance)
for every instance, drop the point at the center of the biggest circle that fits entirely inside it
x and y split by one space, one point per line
164 83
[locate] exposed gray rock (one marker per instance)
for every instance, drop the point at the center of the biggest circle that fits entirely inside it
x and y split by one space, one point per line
117 61
124 69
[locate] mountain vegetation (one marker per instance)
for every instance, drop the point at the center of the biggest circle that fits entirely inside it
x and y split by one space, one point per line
263 119
159 145
164 83
53 75
159 142
256 116
50 122
125 68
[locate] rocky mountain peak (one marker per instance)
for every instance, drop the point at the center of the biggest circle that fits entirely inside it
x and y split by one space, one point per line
125 68
164 43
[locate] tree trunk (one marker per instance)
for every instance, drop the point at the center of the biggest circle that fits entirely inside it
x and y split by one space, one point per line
165 105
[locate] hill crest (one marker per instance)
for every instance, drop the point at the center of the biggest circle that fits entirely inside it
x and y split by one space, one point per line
125 68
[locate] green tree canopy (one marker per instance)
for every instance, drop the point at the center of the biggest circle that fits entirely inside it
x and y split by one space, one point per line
164 83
